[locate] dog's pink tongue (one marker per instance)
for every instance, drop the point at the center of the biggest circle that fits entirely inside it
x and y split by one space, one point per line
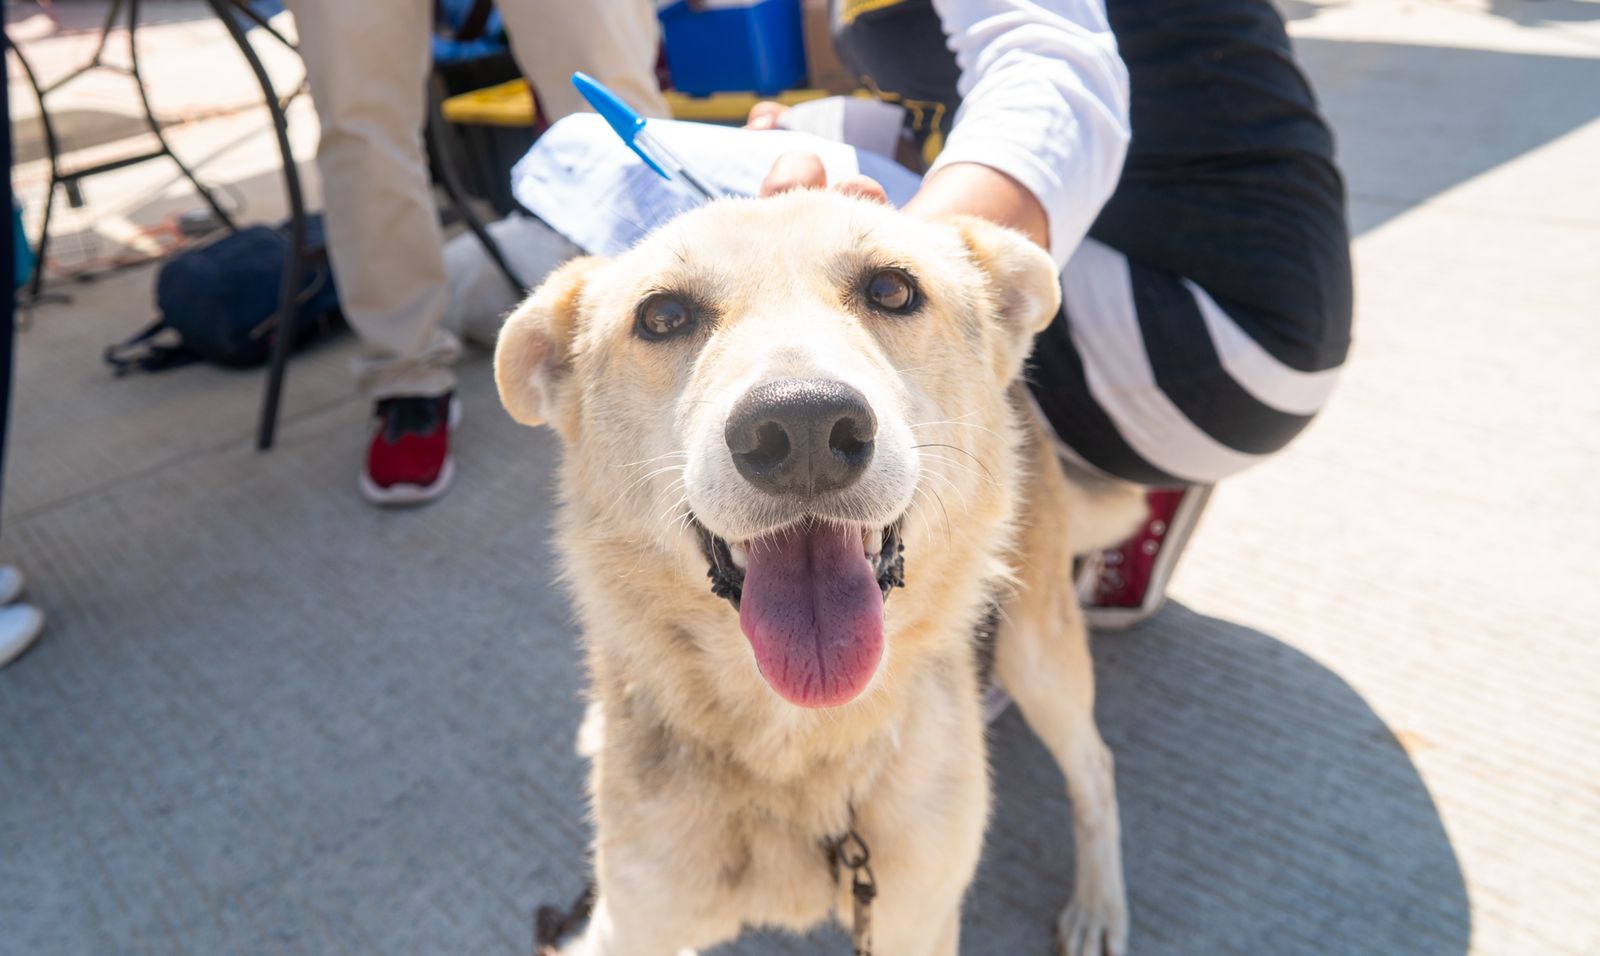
813 612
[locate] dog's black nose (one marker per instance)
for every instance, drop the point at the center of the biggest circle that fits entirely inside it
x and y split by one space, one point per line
801 437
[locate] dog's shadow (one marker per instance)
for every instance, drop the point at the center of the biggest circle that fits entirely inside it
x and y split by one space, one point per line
1265 809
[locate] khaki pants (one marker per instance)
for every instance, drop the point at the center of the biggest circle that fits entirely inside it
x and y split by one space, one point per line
368 63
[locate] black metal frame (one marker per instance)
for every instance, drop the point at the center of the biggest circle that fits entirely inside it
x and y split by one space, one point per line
302 253
70 179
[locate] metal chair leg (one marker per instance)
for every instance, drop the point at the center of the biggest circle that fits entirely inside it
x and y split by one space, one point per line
293 271
440 144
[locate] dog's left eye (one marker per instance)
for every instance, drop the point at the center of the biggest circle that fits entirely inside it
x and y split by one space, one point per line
891 290
663 316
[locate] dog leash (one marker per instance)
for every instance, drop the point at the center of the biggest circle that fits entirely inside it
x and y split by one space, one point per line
851 853
848 852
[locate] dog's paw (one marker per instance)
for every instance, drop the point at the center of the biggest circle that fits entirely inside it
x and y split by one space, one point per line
1092 926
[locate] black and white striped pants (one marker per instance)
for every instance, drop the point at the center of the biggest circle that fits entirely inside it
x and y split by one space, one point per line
1206 317
1146 376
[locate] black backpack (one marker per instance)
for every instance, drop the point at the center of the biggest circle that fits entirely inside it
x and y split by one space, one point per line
219 303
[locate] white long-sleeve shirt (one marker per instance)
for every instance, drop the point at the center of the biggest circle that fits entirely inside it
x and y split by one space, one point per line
1044 100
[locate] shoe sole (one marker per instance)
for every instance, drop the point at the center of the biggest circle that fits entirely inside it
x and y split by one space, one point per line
404 495
1176 540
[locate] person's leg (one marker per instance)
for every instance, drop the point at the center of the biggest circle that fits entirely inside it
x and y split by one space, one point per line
1212 333
9 258
20 624
1148 377
615 41
368 64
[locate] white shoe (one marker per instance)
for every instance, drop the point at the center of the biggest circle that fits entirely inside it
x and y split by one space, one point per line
11 584
20 625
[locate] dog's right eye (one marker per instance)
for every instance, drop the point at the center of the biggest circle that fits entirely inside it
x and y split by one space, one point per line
891 290
662 316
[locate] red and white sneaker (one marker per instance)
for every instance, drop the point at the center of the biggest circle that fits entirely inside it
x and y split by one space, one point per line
409 460
1126 585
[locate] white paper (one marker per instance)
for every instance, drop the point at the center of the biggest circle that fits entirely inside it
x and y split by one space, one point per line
589 186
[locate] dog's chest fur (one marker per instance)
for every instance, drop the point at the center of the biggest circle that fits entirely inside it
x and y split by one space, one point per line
755 835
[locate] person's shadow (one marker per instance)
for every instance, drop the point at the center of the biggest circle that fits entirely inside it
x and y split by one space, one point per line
1266 809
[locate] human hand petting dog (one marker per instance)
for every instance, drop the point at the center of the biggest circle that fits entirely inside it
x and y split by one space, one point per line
958 189
802 170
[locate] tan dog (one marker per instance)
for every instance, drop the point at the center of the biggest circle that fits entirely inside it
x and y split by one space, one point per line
811 399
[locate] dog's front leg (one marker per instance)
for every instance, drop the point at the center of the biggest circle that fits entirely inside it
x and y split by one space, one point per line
1047 671
651 894
913 926
923 867
1042 658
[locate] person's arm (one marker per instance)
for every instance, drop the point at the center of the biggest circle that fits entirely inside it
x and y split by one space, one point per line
982 191
1039 139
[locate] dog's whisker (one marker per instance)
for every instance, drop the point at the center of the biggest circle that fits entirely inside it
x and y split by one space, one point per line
685 517
646 477
953 487
645 461
965 492
963 466
958 450
674 520
615 509
949 421
676 484
927 529
948 531
957 424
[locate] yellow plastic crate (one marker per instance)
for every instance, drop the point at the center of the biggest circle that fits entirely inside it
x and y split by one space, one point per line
504 104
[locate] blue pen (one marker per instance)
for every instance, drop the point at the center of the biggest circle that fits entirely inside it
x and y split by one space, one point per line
631 127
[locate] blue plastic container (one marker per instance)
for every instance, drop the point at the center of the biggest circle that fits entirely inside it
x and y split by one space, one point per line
754 48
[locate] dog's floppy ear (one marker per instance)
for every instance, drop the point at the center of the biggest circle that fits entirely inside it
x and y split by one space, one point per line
1023 282
533 355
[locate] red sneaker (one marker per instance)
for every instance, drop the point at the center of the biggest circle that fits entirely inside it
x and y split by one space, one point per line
409 461
1127 585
